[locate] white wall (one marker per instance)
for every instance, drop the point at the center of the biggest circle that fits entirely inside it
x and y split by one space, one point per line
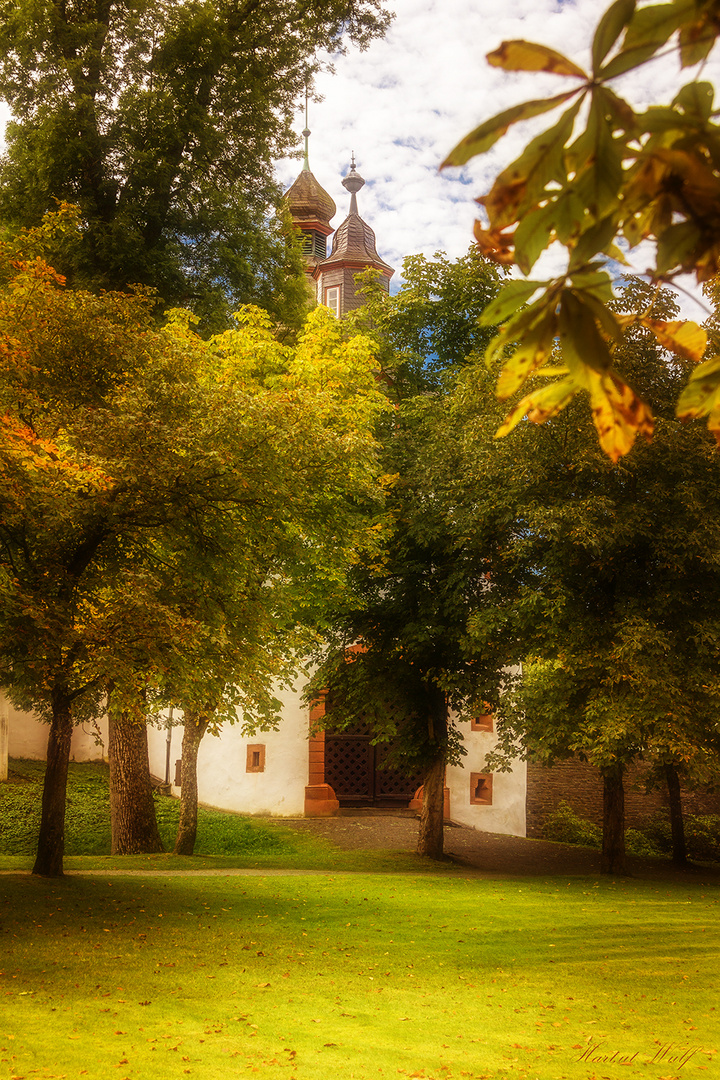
223 781
27 737
507 813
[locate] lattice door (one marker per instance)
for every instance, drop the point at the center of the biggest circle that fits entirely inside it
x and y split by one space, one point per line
351 769
395 784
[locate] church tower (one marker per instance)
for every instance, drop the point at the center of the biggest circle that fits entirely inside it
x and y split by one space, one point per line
311 209
332 278
353 250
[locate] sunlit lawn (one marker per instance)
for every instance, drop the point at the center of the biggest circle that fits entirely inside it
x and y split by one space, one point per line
357 975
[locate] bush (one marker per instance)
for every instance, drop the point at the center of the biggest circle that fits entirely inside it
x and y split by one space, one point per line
637 842
658 832
566 827
702 837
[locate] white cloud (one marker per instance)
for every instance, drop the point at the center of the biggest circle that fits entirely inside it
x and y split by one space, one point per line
403 104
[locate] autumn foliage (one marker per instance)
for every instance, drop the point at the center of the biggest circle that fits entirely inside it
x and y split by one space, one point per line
603 178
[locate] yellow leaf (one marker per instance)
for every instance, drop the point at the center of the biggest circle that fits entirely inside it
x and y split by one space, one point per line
527 56
618 413
540 405
685 339
535 349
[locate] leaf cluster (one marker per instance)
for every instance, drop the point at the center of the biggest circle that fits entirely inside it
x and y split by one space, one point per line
603 174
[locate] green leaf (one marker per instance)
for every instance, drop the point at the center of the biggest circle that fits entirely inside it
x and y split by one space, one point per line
654 26
570 214
599 163
593 279
533 235
482 138
626 60
701 396
595 240
696 41
523 322
677 246
528 56
522 185
581 342
619 115
535 349
609 28
514 294
696 99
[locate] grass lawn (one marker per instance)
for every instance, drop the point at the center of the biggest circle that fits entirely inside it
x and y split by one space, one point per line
417 970
357 975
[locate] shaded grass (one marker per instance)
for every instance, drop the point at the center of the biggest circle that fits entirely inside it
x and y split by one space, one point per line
224 841
87 821
357 976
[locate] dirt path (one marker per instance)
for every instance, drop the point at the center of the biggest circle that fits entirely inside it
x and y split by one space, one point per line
489 853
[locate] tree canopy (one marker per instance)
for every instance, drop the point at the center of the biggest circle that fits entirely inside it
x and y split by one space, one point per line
161 122
619 570
411 603
170 510
603 178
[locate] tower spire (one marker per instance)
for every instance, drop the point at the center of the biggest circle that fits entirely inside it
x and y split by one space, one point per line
352 183
306 133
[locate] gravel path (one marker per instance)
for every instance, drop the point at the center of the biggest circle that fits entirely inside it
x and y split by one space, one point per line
488 853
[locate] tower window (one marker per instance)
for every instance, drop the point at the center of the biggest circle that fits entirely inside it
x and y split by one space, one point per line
332 300
320 246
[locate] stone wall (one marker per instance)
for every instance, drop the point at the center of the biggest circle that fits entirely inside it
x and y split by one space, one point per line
580 785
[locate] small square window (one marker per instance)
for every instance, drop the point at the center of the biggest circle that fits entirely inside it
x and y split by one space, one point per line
255 758
482 723
481 789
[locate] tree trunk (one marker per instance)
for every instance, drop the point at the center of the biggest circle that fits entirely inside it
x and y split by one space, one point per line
196 725
613 849
430 833
132 810
51 841
679 854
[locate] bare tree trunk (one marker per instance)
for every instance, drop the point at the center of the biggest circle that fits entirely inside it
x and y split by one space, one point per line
430 832
679 855
132 810
51 841
196 724
613 849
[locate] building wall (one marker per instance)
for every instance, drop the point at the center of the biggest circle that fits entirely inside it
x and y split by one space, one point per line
580 785
223 777
506 813
27 737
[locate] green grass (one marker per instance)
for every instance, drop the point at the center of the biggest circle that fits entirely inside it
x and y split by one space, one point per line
423 970
341 976
224 840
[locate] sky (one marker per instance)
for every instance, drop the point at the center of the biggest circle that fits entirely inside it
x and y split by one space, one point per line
405 102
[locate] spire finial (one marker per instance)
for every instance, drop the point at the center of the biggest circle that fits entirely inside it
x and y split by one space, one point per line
352 183
306 133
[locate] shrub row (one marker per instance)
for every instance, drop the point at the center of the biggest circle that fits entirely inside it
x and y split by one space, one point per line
652 840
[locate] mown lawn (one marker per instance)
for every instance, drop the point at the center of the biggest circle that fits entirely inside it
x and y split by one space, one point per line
357 975
417 970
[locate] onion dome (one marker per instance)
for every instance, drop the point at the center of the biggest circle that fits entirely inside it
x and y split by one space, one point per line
308 201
